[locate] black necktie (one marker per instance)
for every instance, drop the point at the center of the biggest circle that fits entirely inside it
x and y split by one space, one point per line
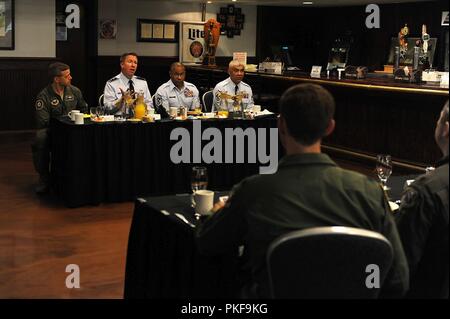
131 87
236 89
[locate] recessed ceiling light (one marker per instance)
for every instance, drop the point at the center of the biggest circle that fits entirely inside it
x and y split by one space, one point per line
234 0
208 1
306 3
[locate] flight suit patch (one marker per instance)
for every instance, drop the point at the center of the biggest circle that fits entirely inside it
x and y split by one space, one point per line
39 105
54 102
409 198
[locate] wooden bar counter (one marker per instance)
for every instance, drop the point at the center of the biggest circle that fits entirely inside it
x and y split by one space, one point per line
373 115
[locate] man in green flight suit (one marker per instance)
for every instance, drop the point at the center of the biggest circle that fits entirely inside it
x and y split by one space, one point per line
308 190
57 99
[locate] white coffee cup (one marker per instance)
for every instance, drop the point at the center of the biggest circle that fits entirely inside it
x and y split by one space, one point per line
72 114
256 108
203 201
173 111
79 118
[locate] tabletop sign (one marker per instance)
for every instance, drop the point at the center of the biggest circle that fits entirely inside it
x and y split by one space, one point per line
315 71
241 57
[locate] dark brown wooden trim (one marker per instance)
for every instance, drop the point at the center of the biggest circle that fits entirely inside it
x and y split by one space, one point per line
368 160
15 64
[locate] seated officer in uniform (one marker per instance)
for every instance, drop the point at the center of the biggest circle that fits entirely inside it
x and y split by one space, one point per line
423 224
124 86
57 99
177 92
233 86
308 190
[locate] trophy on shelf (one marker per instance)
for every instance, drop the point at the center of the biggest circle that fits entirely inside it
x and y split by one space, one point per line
212 34
424 40
403 41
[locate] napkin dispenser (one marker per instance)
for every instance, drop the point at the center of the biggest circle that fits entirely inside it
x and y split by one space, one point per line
271 67
407 74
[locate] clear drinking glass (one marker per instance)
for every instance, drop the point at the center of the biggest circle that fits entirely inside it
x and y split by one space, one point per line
199 178
384 168
93 112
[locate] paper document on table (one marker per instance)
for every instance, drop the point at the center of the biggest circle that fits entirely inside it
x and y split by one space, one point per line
184 219
393 206
265 112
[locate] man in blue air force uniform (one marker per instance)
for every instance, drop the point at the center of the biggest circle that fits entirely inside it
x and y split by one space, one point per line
123 87
233 86
177 92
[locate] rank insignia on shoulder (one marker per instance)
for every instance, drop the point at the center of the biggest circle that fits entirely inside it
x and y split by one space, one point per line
140 78
112 80
409 198
158 100
39 105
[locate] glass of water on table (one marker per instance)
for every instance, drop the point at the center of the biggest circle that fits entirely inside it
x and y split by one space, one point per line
199 181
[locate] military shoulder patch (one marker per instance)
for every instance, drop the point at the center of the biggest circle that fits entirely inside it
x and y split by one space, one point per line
54 102
39 105
158 100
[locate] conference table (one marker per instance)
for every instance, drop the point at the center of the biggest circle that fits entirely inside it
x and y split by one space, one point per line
162 257
95 163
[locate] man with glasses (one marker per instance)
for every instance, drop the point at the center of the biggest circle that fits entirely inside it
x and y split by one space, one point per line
57 99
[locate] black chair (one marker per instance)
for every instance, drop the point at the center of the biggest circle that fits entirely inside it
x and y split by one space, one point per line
327 262
208 99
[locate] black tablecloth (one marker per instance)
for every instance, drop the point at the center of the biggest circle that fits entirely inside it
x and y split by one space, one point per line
396 186
113 162
162 257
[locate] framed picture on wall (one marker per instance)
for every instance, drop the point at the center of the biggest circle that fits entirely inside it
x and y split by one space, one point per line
7 25
157 30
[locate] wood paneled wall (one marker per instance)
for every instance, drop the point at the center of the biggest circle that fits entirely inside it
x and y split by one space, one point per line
21 80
